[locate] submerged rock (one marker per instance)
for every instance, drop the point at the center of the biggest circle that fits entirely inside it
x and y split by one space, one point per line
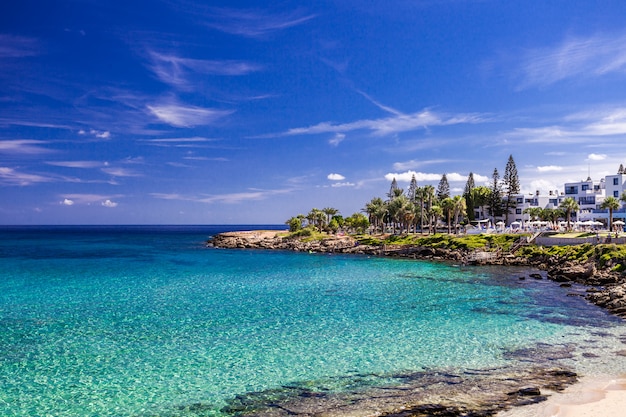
477 393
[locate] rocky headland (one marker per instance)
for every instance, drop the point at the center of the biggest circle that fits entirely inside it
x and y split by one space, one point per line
606 283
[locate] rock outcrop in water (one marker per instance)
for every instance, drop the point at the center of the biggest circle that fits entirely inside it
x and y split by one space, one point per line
470 393
607 287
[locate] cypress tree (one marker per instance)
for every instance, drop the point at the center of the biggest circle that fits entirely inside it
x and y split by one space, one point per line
495 195
443 189
512 187
412 189
468 194
392 189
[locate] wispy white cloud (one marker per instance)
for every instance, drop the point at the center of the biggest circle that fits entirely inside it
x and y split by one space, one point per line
180 72
179 142
186 116
336 177
204 158
612 122
253 23
76 164
343 184
390 125
121 172
412 164
31 123
592 56
100 134
88 199
12 46
229 198
23 146
170 196
337 139
234 198
178 165
578 128
379 105
10 176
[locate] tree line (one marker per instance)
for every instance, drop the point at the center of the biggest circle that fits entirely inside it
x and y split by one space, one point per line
421 208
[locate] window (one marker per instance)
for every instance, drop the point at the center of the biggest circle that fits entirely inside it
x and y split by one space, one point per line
615 181
572 189
553 201
616 194
584 187
520 200
587 200
518 211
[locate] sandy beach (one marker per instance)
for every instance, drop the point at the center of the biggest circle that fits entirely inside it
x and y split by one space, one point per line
592 397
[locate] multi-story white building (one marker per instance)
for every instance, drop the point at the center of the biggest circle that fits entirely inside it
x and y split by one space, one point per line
615 186
588 194
526 201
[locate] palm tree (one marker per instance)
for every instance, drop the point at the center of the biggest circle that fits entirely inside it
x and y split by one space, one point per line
610 203
398 209
329 212
317 218
447 205
429 196
377 210
552 215
460 209
569 205
407 214
533 212
480 196
435 213
420 195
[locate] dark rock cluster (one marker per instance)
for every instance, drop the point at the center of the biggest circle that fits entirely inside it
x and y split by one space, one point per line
469 393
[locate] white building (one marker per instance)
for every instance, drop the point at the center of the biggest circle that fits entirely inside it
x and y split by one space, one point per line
588 194
615 186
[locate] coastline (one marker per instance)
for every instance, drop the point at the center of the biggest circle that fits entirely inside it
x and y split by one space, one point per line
605 288
589 396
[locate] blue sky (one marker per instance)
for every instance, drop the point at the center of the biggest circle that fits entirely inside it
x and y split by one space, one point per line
234 112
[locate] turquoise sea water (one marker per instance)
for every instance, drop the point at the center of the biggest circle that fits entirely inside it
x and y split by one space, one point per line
147 321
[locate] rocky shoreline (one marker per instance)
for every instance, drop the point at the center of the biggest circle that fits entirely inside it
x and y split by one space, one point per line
606 288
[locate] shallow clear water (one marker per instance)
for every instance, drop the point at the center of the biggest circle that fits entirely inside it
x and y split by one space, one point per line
146 321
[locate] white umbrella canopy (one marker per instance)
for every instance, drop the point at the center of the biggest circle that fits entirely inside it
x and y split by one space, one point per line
619 223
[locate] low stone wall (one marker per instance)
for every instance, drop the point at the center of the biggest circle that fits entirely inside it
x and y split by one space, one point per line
556 241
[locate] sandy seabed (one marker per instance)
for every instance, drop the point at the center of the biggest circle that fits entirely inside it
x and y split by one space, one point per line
591 397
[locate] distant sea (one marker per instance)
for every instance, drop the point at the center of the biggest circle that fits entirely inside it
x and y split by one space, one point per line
148 321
